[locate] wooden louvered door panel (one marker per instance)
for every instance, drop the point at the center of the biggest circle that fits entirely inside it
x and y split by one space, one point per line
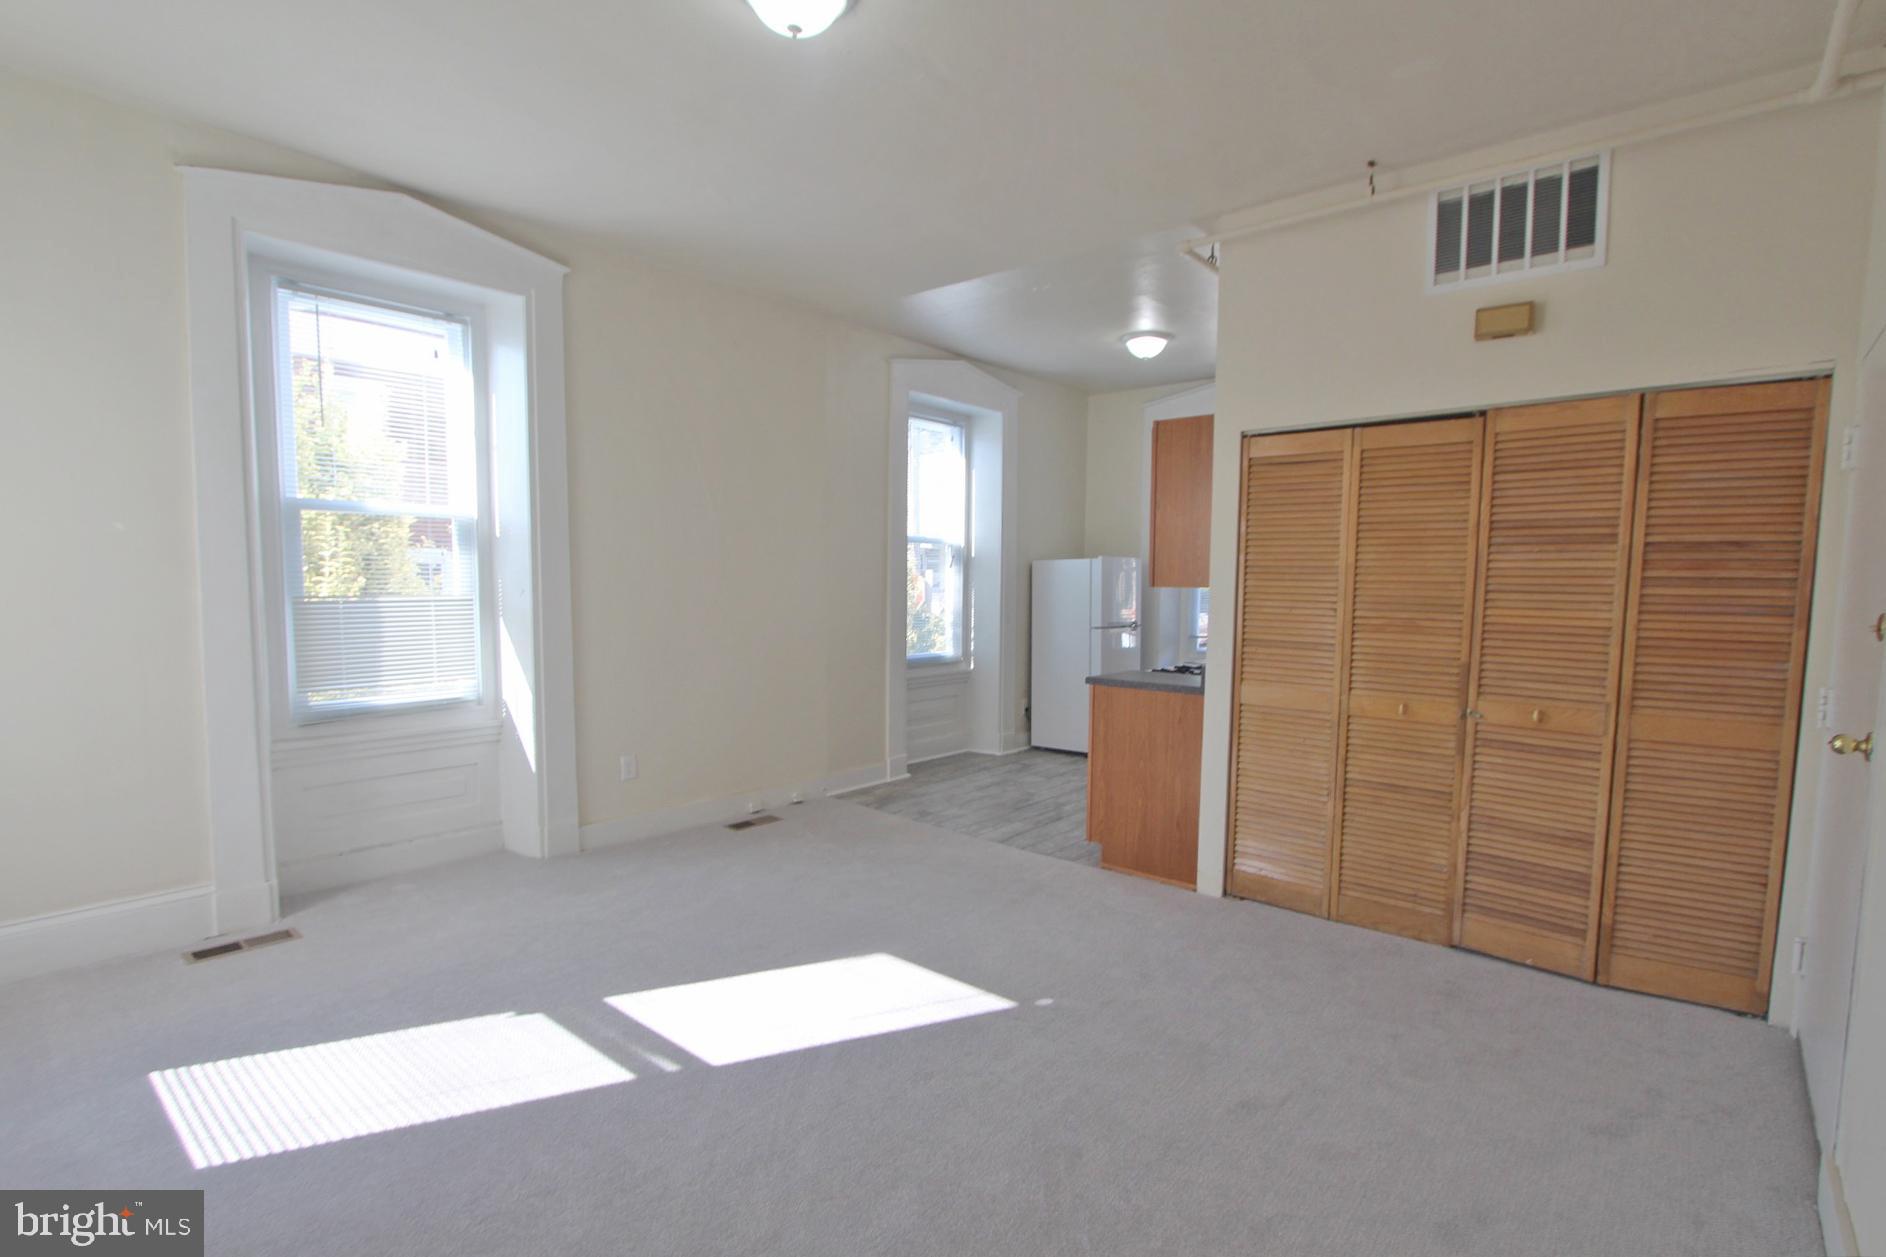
1417 494
1554 562
1292 615
1728 495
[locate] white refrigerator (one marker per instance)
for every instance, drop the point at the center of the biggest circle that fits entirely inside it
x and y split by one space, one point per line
1085 618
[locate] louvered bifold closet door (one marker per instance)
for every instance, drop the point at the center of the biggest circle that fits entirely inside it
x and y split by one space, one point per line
1727 498
1555 559
1292 615
1417 493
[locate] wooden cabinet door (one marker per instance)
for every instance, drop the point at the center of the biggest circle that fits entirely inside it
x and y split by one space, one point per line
1548 640
1180 533
1142 782
1399 757
1293 553
1728 494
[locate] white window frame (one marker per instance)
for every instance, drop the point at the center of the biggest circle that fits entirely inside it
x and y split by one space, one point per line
1527 266
961 661
234 221
279 558
997 684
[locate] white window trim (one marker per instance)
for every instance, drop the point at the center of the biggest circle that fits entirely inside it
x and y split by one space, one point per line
996 724
290 725
937 665
230 218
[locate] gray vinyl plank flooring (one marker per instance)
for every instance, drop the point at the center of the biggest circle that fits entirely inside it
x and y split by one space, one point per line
1032 801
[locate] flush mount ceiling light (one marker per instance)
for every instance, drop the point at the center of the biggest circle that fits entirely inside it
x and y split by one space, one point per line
799 19
1146 344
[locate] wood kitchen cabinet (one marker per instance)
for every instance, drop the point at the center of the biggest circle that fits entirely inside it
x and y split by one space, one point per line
1180 536
1142 780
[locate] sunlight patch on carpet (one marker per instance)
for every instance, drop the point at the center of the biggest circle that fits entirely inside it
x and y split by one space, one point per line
728 1020
255 1106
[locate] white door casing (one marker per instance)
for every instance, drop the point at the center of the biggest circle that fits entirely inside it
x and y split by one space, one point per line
1846 793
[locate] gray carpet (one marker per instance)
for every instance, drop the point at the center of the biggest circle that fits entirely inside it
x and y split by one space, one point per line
1211 1077
1031 800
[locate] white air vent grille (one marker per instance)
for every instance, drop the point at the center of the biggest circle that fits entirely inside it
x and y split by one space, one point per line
1548 218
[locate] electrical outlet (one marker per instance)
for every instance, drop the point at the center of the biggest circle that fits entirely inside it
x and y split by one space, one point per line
628 768
1824 708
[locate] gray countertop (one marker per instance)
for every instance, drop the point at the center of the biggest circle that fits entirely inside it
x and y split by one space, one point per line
1170 682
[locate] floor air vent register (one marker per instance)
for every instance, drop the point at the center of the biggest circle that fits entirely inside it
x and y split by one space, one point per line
241 944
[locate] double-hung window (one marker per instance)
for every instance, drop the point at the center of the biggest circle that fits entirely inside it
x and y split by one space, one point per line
376 446
937 528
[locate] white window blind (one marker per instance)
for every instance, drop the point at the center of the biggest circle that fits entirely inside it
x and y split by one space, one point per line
377 461
937 533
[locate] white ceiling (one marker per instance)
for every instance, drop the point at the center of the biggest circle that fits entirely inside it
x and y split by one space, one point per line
1063 318
998 177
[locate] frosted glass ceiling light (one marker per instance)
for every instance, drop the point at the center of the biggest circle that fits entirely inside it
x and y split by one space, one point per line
799 19
1146 344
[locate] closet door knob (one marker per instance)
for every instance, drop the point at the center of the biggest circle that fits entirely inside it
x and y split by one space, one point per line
1846 744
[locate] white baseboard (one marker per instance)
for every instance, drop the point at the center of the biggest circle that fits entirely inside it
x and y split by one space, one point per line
1010 744
106 931
301 877
861 779
927 756
1836 1222
857 779
667 820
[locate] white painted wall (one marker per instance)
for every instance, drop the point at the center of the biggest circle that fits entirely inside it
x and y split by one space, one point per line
727 456
1116 469
103 798
1052 484
728 517
1733 250
102 791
